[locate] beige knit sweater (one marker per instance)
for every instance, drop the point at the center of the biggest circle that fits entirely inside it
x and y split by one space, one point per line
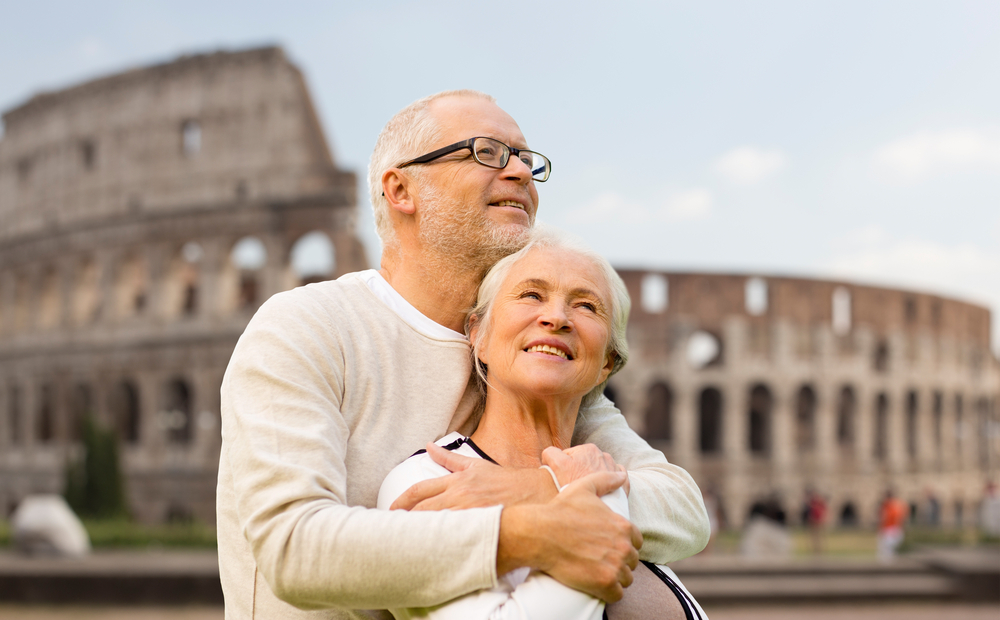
328 389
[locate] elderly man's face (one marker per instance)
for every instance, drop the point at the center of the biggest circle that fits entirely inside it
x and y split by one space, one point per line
465 205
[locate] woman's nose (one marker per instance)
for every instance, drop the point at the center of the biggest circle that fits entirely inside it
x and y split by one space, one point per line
554 316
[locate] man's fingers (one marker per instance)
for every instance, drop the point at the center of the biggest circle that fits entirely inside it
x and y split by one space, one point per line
636 543
418 493
602 482
448 459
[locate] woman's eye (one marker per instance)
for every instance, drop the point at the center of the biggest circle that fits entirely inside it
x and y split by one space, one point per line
531 295
588 306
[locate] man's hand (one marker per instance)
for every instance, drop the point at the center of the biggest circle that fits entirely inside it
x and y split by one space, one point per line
579 461
475 483
575 538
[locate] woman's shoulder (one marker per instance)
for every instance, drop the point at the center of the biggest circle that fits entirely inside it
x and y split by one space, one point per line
417 468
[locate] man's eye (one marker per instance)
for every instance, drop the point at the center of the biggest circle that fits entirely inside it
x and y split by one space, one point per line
486 152
527 159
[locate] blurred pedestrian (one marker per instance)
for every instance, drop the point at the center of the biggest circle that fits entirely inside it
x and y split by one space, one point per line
892 515
989 511
816 510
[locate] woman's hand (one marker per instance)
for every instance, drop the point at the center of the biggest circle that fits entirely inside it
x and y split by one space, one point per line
579 461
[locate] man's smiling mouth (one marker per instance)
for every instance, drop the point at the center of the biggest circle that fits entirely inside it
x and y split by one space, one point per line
509 203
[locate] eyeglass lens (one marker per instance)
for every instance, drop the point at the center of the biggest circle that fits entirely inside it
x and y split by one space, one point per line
495 154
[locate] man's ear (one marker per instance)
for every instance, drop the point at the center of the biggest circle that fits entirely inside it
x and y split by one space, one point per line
397 189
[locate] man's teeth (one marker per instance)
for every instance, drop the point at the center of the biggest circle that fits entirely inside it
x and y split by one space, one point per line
510 203
544 348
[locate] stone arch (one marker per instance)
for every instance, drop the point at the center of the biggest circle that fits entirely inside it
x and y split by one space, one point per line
81 406
846 415
848 515
983 428
48 299
15 414
312 258
912 422
710 420
86 293
881 444
243 275
46 418
22 303
761 403
880 356
704 349
125 412
805 419
659 412
181 287
177 414
937 422
131 285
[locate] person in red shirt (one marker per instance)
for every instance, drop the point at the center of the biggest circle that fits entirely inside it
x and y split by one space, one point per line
816 519
892 515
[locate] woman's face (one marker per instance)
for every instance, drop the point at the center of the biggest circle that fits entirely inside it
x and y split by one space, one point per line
550 327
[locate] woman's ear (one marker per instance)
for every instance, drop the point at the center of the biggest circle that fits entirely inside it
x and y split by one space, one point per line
396 187
474 333
609 364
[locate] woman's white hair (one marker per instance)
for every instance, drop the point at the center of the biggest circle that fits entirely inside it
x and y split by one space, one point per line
546 237
408 134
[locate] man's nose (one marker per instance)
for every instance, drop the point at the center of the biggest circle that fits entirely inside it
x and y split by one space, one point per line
517 170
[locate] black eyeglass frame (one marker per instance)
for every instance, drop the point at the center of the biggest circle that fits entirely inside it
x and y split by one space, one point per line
467 144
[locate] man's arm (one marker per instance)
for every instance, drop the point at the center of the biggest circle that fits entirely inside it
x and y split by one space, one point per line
665 502
283 485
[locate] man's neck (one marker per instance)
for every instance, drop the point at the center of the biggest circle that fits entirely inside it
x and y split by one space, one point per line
438 289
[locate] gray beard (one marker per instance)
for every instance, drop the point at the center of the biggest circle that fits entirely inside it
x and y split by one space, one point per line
458 238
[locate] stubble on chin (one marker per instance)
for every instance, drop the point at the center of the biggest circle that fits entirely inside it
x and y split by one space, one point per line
464 237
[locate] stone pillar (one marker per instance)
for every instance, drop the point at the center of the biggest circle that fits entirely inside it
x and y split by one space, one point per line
685 414
896 432
864 428
782 426
826 428
734 425
157 264
151 435
209 279
66 283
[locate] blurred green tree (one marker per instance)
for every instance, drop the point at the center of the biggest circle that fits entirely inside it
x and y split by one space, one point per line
94 484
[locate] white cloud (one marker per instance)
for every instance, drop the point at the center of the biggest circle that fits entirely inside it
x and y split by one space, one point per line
692 204
685 205
924 153
746 165
964 270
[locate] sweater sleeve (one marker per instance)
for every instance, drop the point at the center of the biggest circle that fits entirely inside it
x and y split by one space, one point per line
284 447
665 502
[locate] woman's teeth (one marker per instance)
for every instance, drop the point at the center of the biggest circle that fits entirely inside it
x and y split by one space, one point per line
544 348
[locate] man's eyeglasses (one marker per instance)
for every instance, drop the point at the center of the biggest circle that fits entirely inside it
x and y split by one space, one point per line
491 153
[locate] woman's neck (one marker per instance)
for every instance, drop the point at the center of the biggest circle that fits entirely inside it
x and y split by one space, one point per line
514 431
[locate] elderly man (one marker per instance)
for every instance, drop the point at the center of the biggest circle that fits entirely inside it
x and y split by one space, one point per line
333 384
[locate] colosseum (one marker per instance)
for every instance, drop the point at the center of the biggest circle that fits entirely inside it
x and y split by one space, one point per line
143 218
767 387
146 215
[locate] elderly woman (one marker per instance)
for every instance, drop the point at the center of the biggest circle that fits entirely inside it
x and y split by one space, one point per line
547 331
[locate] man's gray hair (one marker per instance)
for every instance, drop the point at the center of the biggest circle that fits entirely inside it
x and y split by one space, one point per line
550 238
408 134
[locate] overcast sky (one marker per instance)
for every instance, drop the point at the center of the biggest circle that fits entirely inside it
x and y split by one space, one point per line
857 140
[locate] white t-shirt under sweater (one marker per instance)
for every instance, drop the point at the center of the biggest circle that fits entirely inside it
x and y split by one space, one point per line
520 594
327 390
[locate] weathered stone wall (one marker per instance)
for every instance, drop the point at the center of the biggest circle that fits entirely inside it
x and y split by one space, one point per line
124 205
879 389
